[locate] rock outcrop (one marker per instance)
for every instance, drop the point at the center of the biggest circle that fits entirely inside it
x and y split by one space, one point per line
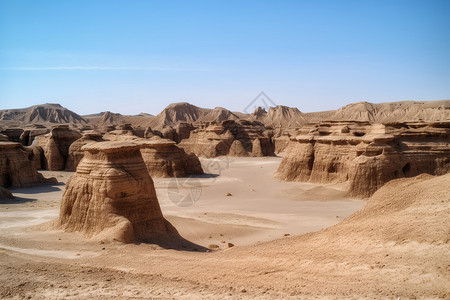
75 153
56 146
366 155
16 166
237 149
209 141
5 194
112 197
164 159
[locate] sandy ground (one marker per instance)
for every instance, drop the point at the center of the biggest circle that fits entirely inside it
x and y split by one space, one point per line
261 217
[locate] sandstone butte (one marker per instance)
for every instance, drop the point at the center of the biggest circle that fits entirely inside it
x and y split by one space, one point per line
365 155
17 168
55 146
112 197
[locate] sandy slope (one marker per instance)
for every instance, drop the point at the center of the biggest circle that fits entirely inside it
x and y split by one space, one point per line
396 246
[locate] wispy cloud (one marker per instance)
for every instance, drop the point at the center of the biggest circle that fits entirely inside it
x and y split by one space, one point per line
95 68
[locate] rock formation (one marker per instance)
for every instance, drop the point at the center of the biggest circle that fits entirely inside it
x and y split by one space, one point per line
237 149
164 159
112 197
76 153
56 146
256 148
209 141
29 134
16 166
366 156
5 194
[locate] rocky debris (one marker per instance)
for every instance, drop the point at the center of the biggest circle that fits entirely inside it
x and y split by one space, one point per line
5 194
164 159
230 245
16 166
213 246
75 150
228 194
112 197
56 146
366 155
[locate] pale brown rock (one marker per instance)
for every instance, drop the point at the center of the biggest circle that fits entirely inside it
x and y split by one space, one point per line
365 155
256 148
164 159
237 149
75 150
16 166
112 197
56 146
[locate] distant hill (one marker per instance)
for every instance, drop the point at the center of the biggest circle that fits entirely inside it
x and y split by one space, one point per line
401 111
42 114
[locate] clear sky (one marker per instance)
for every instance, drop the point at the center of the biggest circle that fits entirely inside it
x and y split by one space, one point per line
139 56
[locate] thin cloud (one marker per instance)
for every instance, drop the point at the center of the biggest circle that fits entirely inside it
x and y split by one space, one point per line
95 68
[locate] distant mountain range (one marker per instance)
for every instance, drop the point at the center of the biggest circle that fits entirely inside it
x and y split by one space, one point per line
278 116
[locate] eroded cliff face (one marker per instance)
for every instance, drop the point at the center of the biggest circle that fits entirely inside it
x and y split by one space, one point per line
17 167
112 197
366 155
56 146
217 139
164 159
75 153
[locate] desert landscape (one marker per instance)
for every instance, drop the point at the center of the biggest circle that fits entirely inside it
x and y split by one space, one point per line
209 203
224 149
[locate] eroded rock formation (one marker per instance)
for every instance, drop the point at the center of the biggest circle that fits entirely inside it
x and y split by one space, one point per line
366 156
112 197
16 166
56 146
5 194
164 159
75 150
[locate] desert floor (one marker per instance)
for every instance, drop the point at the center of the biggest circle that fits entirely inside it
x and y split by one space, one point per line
261 216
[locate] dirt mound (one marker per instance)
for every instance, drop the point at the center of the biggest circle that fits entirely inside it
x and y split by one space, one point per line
112 196
44 113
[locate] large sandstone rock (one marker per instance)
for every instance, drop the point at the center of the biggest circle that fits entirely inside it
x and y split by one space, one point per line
366 156
210 141
16 166
237 149
56 146
112 197
164 159
75 150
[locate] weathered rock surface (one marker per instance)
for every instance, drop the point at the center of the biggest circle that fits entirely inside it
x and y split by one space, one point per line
237 149
75 153
5 194
216 139
112 197
56 146
210 141
366 156
164 159
16 166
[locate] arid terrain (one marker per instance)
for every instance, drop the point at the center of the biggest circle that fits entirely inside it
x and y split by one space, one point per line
208 204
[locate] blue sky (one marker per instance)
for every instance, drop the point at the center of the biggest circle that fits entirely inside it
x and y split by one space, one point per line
139 56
